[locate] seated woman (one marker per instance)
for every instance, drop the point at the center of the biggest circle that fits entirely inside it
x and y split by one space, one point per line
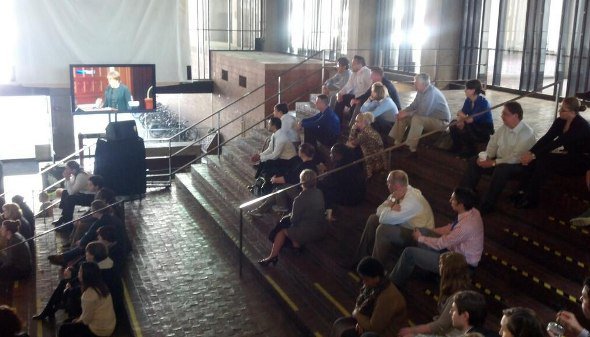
67 294
13 212
380 307
82 225
75 193
98 315
382 107
362 134
347 186
15 260
570 131
468 130
454 277
520 322
307 220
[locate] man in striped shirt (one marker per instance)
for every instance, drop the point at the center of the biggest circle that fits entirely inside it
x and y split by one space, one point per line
465 235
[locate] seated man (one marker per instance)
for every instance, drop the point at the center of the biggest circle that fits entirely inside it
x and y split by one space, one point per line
288 122
464 235
428 112
377 75
502 155
468 313
338 81
395 219
75 193
568 320
358 83
323 127
285 199
278 156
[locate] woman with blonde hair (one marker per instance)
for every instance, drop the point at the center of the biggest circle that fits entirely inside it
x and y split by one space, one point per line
11 211
382 107
455 276
306 223
370 142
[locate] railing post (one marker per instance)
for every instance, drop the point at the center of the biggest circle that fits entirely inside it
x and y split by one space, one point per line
241 243
323 64
279 93
558 85
170 161
218 135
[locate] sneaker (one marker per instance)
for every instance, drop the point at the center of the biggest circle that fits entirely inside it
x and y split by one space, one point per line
255 213
279 209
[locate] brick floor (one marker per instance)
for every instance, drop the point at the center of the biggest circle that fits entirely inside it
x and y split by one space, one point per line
183 275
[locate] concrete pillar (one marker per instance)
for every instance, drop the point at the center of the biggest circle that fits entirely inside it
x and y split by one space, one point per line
362 23
276 33
440 53
62 123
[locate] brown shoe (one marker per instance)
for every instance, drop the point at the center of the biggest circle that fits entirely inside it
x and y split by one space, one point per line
57 260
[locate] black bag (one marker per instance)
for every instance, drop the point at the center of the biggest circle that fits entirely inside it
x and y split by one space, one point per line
285 222
261 187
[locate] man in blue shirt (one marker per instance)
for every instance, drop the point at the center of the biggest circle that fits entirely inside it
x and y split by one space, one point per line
324 126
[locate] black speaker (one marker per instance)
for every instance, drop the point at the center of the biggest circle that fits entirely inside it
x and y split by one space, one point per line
258 44
189 73
121 130
122 165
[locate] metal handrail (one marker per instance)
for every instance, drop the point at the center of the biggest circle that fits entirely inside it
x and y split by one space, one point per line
202 155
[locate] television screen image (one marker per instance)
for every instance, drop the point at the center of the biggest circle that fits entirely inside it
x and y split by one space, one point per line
106 88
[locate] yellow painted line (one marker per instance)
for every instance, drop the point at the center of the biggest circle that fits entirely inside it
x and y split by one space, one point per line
282 293
573 299
411 323
330 298
551 218
131 310
317 334
353 276
559 292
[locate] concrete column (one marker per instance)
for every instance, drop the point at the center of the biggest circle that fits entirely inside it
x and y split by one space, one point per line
276 33
441 51
362 23
62 123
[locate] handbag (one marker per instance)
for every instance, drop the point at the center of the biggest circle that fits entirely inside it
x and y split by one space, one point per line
285 222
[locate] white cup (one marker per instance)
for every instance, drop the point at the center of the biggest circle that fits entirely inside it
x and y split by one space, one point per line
483 156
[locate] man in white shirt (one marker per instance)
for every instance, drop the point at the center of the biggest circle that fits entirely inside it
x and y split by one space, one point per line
502 155
358 83
288 123
277 157
395 219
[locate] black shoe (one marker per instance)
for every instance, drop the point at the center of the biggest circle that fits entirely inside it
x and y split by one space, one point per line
57 260
58 222
583 95
266 262
45 314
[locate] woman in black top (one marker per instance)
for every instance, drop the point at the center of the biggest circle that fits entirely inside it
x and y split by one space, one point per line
570 131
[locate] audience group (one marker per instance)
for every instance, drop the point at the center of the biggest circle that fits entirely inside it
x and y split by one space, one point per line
403 225
90 289
363 104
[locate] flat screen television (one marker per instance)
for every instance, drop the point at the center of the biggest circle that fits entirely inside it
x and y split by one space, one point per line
106 88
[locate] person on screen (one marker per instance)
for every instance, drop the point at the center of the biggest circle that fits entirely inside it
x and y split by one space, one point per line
116 95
